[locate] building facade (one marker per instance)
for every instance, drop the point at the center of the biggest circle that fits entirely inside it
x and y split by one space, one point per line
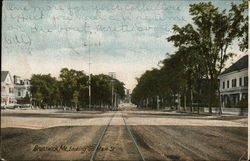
234 83
22 87
7 90
127 96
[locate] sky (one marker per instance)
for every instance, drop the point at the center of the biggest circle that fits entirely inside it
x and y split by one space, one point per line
122 36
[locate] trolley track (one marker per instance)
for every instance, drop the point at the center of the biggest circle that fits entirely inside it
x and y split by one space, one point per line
100 139
129 138
131 135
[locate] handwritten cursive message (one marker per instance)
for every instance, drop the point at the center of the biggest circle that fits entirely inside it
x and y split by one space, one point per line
36 25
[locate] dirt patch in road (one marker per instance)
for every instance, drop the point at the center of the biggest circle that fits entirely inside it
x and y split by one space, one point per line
119 145
141 141
57 115
192 143
159 137
57 143
148 151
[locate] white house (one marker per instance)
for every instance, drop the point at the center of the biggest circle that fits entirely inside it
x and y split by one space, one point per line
234 83
7 90
22 87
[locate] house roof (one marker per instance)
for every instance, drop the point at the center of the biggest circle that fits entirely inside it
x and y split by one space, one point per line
242 63
4 75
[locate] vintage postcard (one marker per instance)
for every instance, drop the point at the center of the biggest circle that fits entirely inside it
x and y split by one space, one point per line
124 80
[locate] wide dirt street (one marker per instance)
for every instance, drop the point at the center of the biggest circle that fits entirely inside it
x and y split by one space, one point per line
149 135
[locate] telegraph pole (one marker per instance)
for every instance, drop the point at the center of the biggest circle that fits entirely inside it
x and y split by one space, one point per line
112 74
112 94
115 101
89 73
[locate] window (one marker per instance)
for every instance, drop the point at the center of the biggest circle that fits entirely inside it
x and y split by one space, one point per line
9 90
240 82
245 81
19 93
228 84
223 85
234 82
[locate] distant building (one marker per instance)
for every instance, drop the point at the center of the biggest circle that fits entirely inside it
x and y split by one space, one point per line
22 87
127 96
234 83
7 89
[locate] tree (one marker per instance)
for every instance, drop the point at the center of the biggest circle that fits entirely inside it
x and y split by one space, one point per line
213 32
240 13
72 81
74 84
25 100
201 55
71 89
38 98
148 87
75 99
102 88
44 90
173 82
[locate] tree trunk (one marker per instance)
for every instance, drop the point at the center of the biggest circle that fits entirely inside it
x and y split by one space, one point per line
210 95
157 102
179 102
220 103
198 106
185 101
115 101
176 104
191 99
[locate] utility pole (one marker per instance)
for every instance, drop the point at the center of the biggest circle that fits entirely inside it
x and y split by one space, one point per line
115 100
112 94
113 75
89 73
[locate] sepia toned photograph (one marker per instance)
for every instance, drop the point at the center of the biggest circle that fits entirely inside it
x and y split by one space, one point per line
124 80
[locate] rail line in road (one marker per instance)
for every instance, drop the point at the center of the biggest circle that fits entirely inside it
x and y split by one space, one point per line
104 132
100 139
131 135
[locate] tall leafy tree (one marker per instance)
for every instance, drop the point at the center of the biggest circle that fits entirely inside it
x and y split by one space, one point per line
212 32
149 87
240 14
73 86
71 89
75 99
44 89
202 50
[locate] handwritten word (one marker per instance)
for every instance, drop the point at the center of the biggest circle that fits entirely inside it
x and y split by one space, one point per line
90 44
18 38
123 28
44 29
138 7
26 17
